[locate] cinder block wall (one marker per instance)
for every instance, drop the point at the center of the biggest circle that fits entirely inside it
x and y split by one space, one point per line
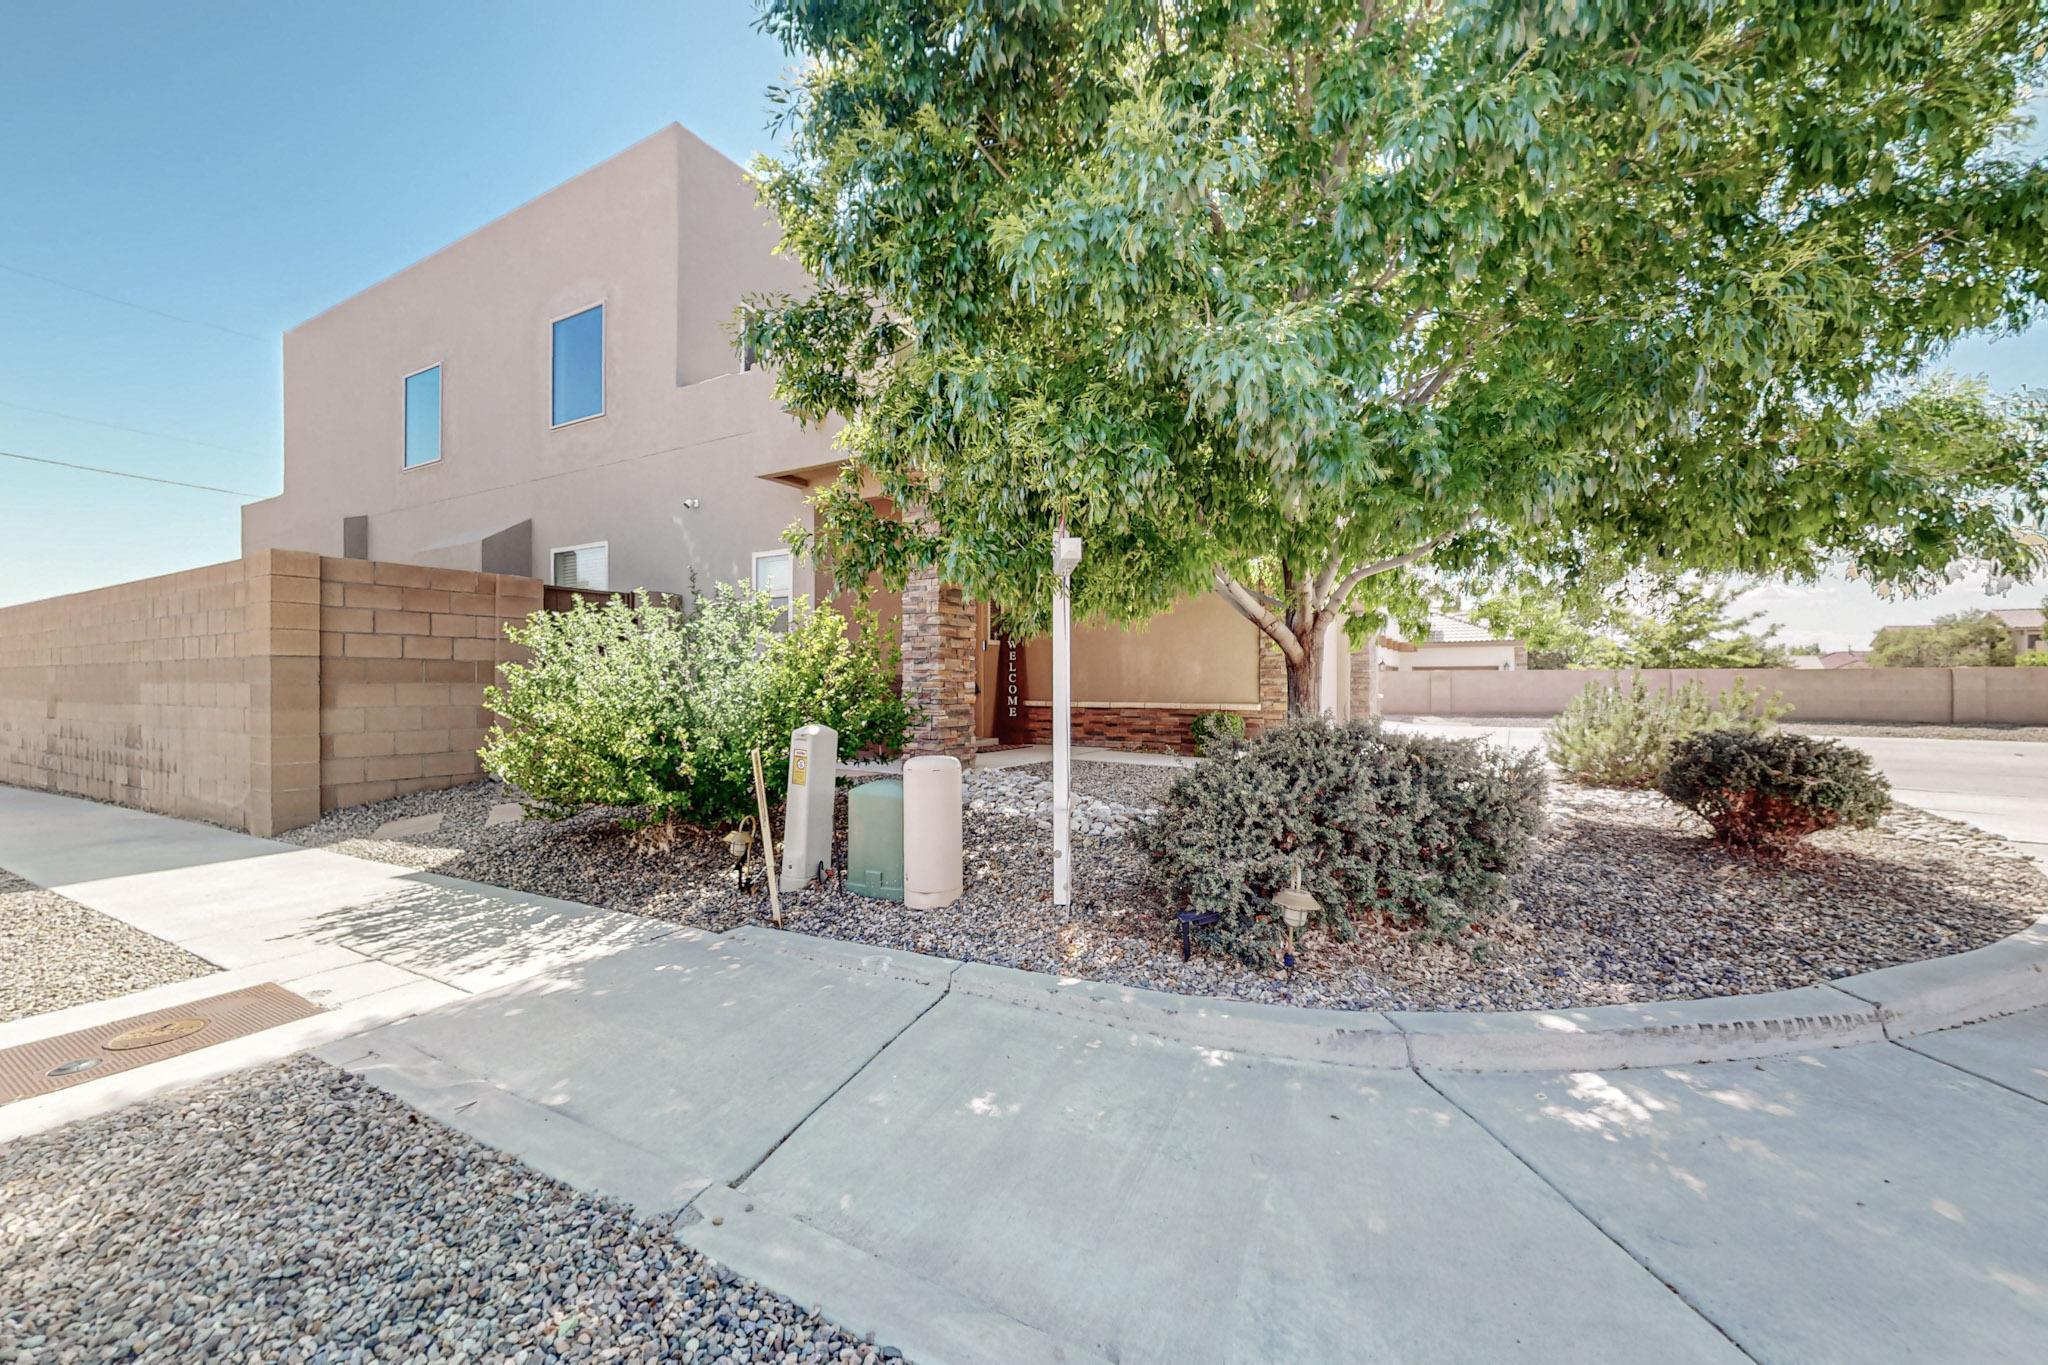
405 654
137 694
259 692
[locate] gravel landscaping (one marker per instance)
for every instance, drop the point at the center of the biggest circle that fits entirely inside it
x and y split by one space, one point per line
55 953
294 1213
1625 900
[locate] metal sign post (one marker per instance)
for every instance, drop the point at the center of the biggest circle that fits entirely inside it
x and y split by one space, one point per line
1066 553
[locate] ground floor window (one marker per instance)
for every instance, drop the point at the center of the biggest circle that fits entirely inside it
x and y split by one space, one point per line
582 566
775 577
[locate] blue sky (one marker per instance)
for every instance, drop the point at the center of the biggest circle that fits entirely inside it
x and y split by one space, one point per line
234 169
244 166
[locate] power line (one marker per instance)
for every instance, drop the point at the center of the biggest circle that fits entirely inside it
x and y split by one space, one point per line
132 431
126 474
129 303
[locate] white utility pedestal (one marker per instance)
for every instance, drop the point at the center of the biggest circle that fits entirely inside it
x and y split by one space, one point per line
807 824
932 874
1066 554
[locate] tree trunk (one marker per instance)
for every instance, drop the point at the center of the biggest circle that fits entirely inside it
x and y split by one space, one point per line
1302 678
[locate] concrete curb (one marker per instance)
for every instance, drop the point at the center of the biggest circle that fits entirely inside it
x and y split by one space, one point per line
1343 1037
1874 1007
1722 1029
846 954
1966 988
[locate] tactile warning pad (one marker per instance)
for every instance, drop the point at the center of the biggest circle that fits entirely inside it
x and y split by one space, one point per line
74 1058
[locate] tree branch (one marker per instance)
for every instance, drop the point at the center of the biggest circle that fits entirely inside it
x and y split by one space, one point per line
1252 610
1401 561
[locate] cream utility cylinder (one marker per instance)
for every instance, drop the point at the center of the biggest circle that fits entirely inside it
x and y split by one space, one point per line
932 877
807 823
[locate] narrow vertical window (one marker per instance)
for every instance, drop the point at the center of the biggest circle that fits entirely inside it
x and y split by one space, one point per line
423 417
774 578
579 366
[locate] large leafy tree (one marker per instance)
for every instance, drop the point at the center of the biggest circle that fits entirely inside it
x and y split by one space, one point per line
1964 639
1281 297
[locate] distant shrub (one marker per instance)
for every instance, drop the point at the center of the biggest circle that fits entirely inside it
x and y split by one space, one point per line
2033 658
656 709
1211 726
1768 791
1621 735
1424 832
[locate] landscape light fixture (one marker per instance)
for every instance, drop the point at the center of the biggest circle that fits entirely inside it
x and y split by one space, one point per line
1295 906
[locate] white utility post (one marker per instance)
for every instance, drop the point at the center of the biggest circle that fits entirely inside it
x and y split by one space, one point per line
1066 553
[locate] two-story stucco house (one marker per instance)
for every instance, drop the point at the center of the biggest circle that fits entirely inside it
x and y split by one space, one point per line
557 395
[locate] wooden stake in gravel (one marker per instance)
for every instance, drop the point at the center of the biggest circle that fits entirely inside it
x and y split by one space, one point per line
767 840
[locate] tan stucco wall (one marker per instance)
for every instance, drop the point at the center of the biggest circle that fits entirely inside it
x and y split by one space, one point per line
667 237
1201 653
1937 696
1493 654
258 692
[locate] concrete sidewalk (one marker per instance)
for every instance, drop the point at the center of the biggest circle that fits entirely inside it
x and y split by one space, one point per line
368 942
976 1179
981 1171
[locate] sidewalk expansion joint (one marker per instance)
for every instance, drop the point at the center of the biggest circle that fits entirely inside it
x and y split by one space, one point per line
851 1076
1573 1205
1973 1075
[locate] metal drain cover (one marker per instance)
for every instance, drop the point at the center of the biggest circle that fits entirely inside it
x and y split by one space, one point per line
154 1035
93 1054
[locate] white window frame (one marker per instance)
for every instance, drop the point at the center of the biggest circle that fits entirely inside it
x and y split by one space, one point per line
440 419
604 545
604 360
754 571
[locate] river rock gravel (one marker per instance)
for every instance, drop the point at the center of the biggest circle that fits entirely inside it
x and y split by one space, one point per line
295 1214
55 953
1624 901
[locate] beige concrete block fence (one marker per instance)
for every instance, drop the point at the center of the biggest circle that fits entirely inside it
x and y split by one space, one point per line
259 692
1925 696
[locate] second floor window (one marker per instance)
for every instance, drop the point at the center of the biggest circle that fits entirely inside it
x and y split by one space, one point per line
423 417
579 366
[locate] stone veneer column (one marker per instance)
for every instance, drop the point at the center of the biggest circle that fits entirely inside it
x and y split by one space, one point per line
1272 684
939 666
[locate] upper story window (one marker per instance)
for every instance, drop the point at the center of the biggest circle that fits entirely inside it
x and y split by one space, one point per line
423 417
582 566
579 366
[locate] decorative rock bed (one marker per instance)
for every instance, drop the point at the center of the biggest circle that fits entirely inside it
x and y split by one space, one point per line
1624 902
55 953
294 1213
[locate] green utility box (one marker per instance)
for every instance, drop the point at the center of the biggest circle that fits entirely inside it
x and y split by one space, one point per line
874 840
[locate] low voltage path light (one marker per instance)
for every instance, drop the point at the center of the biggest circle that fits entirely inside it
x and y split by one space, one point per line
1066 553
738 843
1295 906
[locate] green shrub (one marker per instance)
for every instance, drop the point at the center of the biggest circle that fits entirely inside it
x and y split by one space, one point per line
656 709
1768 791
1424 832
1621 735
2033 658
1212 726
